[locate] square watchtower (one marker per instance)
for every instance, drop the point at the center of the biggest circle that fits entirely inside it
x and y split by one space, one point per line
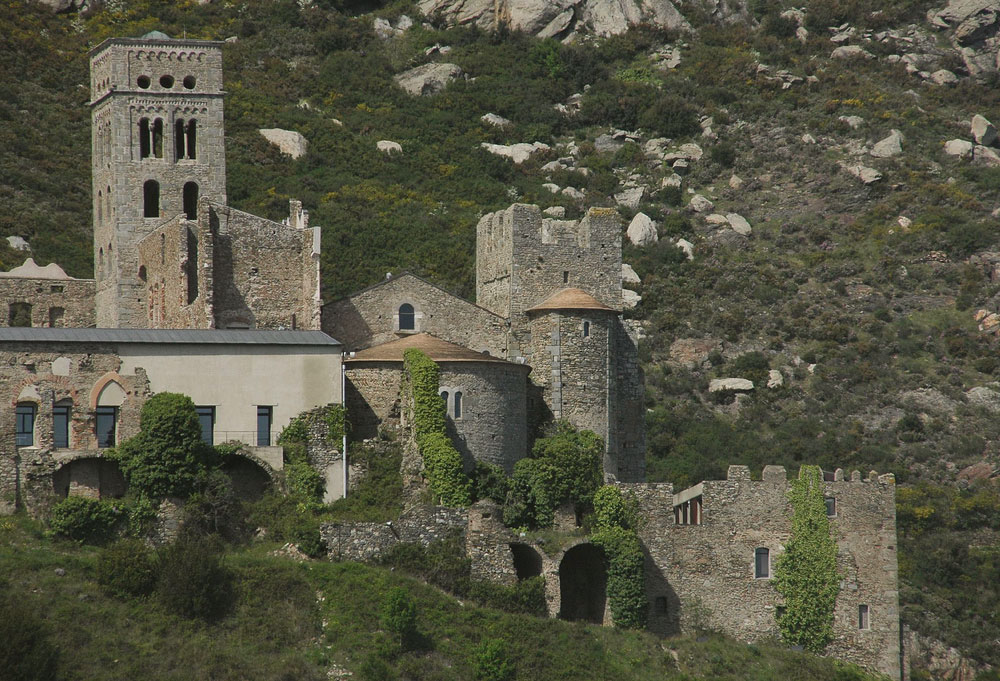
157 146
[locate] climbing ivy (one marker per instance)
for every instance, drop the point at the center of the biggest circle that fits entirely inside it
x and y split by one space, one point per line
806 573
442 462
616 517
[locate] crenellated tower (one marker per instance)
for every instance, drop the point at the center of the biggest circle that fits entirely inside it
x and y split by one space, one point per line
157 147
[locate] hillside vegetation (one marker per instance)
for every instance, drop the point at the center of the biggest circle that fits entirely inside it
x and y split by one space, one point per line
860 296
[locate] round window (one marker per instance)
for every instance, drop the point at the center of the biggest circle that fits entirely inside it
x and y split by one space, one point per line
142 81
167 81
189 82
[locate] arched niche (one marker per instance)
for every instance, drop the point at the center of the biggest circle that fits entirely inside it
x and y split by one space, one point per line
583 583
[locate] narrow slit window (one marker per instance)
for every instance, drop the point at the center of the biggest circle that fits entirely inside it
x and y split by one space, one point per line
192 139
762 563
179 139
586 329
565 277
457 404
863 617
158 138
144 138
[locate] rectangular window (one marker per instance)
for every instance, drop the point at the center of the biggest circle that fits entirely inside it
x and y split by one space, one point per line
206 418
831 507
60 426
25 425
863 622
264 416
104 426
762 564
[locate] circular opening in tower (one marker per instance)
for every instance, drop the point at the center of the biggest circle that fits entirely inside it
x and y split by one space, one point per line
189 82
142 81
167 81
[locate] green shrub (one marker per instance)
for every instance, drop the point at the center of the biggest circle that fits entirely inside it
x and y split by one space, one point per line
216 509
492 662
86 520
617 517
295 431
193 581
613 508
305 484
399 616
442 563
490 482
26 654
527 596
167 457
723 153
127 569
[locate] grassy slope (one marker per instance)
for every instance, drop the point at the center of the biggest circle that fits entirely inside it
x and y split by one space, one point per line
295 621
795 290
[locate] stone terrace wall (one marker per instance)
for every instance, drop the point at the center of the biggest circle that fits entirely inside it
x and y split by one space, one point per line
43 374
74 297
705 572
370 317
371 541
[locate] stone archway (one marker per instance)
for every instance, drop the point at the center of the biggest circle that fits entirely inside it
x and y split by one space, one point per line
93 477
527 561
250 479
583 584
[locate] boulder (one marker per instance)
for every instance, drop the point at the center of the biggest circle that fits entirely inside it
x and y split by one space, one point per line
518 153
288 141
984 397
672 180
775 379
960 148
983 132
851 52
427 79
693 352
854 122
808 139
552 187
716 219
629 276
642 230
573 193
18 243
495 120
943 77
699 204
986 156
630 198
738 223
735 182
735 384
889 146
864 173
687 247
608 144
555 211
389 147
630 298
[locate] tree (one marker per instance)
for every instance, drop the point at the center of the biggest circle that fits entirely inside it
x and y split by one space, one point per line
167 457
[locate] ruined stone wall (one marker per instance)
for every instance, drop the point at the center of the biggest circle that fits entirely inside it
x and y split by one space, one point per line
371 541
493 422
43 374
371 317
175 264
170 81
703 575
372 397
260 274
627 417
54 302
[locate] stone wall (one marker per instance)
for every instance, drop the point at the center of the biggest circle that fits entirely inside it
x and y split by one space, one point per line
53 302
703 574
265 273
372 397
70 374
371 317
627 409
370 541
175 266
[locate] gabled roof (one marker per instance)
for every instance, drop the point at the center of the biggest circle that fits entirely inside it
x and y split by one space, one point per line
570 299
401 275
437 349
176 336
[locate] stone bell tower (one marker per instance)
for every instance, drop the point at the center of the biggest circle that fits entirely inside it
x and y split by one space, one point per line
157 146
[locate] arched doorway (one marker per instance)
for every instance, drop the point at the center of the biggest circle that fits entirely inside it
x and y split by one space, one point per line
583 584
527 561
249 478
92 477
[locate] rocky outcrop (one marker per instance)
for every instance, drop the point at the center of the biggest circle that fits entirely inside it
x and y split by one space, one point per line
735 384
975 27
889 146
388 147
983 132
642 230
561 18
288 141
427 79
518 153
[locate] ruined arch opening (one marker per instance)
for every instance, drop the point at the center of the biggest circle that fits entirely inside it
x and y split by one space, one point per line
527 561
92 477
583 583
250 480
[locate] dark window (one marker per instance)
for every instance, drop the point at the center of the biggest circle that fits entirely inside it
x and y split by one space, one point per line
142 81
264 416
105 423
167 81
863 622
191 200
189 82
458 404
144 138
60 425
19 314
151 199
192 267
206 417
178 139
192 139
25 425
831 506
586 329
444 396
407 320
56 315
762 564
565 277
158 138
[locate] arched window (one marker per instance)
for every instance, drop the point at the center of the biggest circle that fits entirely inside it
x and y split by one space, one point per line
144 138
178 139
191 200
444 396
458 404
192 133
158 138
151 199
586 329
407 319
100 206
762 563
109 400
100 262
25 412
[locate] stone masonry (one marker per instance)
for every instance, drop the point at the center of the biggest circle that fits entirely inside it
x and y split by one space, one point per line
45 297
